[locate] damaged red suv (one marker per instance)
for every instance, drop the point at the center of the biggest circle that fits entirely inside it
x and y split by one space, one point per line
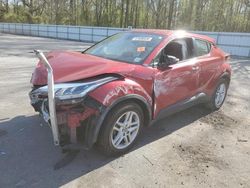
108 93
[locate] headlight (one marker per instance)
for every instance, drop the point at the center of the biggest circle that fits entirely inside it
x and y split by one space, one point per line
66 91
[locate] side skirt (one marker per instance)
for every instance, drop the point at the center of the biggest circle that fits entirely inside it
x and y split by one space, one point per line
180 106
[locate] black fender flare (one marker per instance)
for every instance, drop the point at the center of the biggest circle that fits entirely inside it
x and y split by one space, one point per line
96 122
225 75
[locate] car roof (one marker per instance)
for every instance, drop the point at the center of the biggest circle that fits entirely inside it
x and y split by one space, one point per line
155 31
175 32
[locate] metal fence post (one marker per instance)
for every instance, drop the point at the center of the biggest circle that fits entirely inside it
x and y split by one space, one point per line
38 30
79 33
92 34
56 31
30 29
217 39
67 32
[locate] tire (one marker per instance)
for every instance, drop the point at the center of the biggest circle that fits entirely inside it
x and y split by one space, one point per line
215 101
114 139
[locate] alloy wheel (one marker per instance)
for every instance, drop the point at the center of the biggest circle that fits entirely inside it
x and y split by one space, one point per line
220 94
125 130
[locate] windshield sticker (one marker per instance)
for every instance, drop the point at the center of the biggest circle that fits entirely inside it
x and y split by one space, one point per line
137 59
141 49
143 39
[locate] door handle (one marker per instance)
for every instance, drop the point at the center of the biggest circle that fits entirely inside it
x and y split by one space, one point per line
195 68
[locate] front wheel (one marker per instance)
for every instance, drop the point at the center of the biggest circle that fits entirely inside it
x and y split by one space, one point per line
120 129
219 95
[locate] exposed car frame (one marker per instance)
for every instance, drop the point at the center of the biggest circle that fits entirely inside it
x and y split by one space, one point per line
51 97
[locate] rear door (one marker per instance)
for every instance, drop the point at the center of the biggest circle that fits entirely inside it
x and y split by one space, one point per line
207 62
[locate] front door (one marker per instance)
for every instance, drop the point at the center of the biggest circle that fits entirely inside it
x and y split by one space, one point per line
177 82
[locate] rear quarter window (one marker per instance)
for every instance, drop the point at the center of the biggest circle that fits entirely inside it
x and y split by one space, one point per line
202 47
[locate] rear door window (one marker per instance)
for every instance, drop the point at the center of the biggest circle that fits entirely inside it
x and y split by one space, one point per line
202 47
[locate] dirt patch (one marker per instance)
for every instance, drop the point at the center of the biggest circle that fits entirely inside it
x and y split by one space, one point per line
231 103
219 120
200 157
238 97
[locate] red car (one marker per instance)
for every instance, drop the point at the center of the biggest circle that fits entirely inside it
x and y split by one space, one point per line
108 93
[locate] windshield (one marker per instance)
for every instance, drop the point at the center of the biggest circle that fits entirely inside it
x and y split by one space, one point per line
130 47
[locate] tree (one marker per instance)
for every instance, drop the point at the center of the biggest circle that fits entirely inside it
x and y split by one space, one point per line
210 15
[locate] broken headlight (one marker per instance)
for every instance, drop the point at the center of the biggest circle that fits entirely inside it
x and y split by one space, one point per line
65 91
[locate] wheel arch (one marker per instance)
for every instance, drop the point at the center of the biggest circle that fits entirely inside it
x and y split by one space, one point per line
226 75
147 112
122 100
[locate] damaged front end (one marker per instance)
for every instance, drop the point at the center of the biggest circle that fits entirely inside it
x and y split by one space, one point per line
67 108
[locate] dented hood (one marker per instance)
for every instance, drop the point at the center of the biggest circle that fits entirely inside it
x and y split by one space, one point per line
72 66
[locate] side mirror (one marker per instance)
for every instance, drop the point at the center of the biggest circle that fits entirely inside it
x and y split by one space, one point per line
166 61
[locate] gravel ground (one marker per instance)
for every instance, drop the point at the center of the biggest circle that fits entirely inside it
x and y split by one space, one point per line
193 148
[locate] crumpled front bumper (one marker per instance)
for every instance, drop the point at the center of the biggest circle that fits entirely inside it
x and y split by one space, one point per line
66 114
70 116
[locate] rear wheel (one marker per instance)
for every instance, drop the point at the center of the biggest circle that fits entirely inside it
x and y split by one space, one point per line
219 95
120 129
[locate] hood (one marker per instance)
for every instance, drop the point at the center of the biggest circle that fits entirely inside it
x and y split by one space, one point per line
72 66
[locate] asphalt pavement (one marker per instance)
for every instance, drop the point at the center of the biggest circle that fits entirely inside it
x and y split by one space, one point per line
193 148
